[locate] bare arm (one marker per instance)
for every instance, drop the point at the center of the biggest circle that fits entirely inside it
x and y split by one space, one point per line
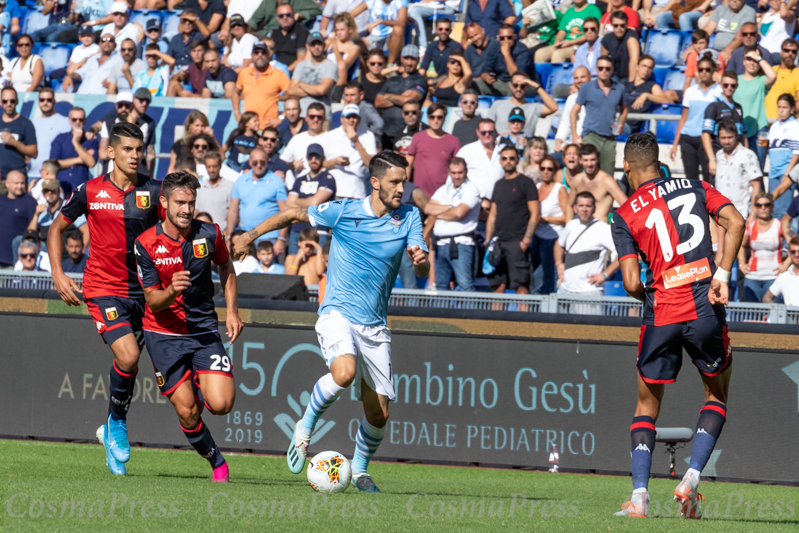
535 215
631 278
785 222
65 286
576 138
321 196
563 200
232 216
634 49
560 254
615 191
227 276
490 223
279 221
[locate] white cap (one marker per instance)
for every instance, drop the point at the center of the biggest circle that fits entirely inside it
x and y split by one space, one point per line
125 96
119 7
350 109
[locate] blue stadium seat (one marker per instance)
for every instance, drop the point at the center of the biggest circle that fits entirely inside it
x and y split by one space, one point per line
54 56
335 120
659 75
544 70
561 74
666 130
170 24
484 102
556 120
675 79
35 21
143 15
664 46
614 288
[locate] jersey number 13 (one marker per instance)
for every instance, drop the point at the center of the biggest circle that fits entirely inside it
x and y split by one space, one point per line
656 218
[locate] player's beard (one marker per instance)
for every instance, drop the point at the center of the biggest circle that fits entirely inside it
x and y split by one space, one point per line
388 199
178 222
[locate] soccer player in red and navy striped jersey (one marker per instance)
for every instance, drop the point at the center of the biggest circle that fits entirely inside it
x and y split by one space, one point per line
181 328
665 224
118 207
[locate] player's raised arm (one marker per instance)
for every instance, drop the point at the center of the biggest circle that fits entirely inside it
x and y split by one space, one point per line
278 221
65 285
731 220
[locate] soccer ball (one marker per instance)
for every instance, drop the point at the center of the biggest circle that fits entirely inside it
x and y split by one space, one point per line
329 472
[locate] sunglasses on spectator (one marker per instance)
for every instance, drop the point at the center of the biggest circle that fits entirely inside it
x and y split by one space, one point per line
124 104
376 64
314 156
763 205
185 21
589 28
257 162
9 101
25 44
508 158
414 112
789 51
128 49
794 252
469 102
316 117
153 29
435 117
201 146
729 85
259 52
77 120
505 37
748 33
622 25
704 70
518 85
489 132
45 100
270 139
285 16
27 256
547 169
444 28
604 69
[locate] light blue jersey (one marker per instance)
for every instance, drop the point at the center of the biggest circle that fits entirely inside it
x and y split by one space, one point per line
365 256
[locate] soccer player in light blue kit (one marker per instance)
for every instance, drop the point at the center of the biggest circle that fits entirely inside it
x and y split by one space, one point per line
369 238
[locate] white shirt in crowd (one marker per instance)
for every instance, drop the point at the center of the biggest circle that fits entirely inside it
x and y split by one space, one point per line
734 174
766 253
564 132
588 247
46 130
482 171
350 179
131 30
334 7
787 286
467 194
93 74
81 52
550 207
297 148
249 265
240 50
215 200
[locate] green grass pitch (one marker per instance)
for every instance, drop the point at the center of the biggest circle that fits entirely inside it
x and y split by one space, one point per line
66 487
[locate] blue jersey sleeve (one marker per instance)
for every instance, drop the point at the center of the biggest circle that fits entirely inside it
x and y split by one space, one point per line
415 236
327 214
148 274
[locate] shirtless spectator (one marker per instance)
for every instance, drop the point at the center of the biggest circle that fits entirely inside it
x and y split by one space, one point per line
308 261
599 183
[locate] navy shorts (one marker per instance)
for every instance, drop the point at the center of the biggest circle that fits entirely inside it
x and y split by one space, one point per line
705 339
175 358
116 316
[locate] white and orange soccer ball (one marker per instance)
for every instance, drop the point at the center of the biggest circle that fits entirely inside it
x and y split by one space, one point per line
329 472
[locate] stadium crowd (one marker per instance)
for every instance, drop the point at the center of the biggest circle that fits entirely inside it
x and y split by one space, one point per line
498 197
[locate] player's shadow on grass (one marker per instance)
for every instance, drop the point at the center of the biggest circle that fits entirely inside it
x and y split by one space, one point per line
249 481
459 495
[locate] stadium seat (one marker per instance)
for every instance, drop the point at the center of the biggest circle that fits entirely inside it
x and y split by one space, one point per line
675 79
335 120
664 46
54 56
143 15
659 75
614 288
666 130
484 102
170 24
561 74
35 21
543 70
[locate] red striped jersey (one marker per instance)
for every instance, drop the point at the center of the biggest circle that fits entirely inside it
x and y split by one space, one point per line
159 256
665 223
115 219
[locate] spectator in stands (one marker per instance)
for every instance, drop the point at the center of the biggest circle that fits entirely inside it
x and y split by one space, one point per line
121 28
582 250
764 238
490 16
343 50
623 48
787 81
314 188
535 150
17 136
513 217
603 188
49 171
456 208
295 152
193 75
152 35
239 44
94 70
293 122
633 20
601 97
515 135
75 153
260 84
308 262
58 18
83 51
27 256
682 15
749 37
520 84
48 124
465 129
723 108
430 152
783 140
726 22
17 209
270 142
580 76
458 79
256 196
642 92
695 101
9 24
502 62
571 164
183 44
370 117
751 94
738 174
75 261
691 56
787 283
26 71
570 33
155 77
483 160
776 26
248 264
587 53
439 53
348 153
46 213
314 77
266 258
408 86
536 36
122 76
213 196
386 28
553 198
200 145
220 81
412 116
208 19
194 124
93 14
479 49
289 38
241 142
373 79
264 19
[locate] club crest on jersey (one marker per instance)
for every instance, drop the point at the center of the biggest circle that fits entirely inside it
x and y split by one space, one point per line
160 378
111 313
396 220
200 247
143 199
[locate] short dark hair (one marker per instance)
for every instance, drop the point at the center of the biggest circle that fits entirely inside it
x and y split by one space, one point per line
266 246
486 121
605 58
699 35
215 155
619 15
731 74
443 20
186 163
729 126
588 149
585 194
179 180
508 147
385 160
124 129
74 235
435 107
790 40
197 42
354 85
507 27
794 241
646 56
641 151
316 106
470 91
787 98
457 161
47 90
152 47
309 234
591 19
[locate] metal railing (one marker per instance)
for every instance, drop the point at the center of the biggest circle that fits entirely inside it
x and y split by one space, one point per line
10 279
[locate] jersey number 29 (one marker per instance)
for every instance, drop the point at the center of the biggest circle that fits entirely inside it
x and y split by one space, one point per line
656 218
221 362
